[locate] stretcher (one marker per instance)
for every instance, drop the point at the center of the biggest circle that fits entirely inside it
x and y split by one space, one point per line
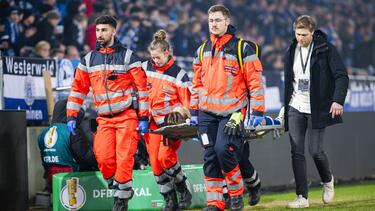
186 131
261 130
183 131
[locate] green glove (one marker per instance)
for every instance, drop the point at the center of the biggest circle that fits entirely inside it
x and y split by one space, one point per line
234 125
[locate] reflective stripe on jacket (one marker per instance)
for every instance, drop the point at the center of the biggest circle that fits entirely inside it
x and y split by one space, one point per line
219 86
168 87
114 74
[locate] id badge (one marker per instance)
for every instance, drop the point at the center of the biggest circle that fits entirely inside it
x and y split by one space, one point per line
205 140
303 85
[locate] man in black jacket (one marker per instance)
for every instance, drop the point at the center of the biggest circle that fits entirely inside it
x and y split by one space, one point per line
316 84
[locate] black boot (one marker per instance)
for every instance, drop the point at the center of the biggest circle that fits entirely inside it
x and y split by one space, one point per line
227 200
236 203
184 195
254 195
120 204
112 184
211 208
171 201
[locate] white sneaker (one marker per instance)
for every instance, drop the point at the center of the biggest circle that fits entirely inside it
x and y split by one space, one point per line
299 202
328 191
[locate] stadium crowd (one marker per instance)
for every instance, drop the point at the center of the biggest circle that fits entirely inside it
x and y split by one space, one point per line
65 28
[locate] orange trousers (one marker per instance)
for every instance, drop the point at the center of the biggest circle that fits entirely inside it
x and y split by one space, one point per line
115 144
161 157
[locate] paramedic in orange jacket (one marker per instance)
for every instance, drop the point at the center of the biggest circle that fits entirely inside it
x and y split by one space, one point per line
114 74
168 87
218 104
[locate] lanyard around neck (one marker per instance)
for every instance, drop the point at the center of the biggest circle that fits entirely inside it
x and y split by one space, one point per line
304 64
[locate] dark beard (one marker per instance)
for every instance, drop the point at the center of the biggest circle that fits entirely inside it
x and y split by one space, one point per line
105 44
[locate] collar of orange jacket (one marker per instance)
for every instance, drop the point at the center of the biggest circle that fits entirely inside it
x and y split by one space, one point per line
219 42
164 67
110 49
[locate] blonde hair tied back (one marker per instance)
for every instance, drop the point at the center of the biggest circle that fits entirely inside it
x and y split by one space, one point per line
160 35
160 41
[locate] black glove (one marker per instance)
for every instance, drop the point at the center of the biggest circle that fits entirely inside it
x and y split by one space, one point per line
234 125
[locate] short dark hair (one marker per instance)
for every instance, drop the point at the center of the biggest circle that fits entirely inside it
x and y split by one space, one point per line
305 22
219 8
106 19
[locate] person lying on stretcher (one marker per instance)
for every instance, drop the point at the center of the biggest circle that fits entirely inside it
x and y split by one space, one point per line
181 116
177 125
268 124
268 120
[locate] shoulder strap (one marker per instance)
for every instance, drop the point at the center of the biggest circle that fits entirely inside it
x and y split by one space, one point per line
239 53
240 44
202 50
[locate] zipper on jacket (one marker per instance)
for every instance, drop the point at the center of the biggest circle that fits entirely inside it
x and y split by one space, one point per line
105 81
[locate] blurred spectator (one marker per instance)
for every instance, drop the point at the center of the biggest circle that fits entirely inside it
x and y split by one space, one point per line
42 50
273 55
59 51
347 36
196 38
28 28
163 19
75 24
74 31
72 54
345 22
90 33
61 152
108 7
91 36
364 52
47 6
181 39
55 151
4 39
89 7
12 31
134 35
47 28
4 9
73 8
28 33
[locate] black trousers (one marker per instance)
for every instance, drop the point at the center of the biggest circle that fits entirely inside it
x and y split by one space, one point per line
300 127
249 174
221 151
247 168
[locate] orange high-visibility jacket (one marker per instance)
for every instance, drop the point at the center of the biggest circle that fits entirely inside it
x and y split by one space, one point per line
115 75
168 87
219 84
